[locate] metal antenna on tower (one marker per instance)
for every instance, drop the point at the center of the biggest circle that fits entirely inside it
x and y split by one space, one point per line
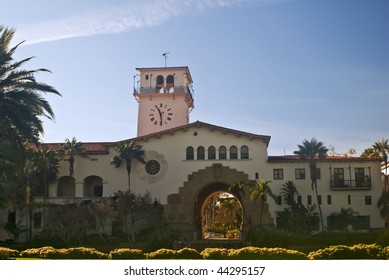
165 56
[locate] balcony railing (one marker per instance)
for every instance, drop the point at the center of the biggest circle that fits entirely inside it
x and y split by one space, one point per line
151 90
341 184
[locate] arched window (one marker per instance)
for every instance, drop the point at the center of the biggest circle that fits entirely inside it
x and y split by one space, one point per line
66 187
233 152
211 152
160 82
200 152
222 152
170 83
244 152
93 186
189 153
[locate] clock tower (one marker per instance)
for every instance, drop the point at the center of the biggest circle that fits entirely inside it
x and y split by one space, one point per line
165 98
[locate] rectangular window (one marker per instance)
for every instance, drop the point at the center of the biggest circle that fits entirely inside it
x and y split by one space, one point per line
319 199
339 177
329 199
37 220
256 175
299 199
279 200
278 174
367 200
359 177
349 199
309 200
300 173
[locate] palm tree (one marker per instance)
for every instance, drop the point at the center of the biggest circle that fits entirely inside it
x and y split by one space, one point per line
229 206
71 149
313 150
381 149
127 152
261 190
46 163
288 192
383 205
237 189
21 102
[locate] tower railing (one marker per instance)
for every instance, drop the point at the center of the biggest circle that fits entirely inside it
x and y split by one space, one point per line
161 90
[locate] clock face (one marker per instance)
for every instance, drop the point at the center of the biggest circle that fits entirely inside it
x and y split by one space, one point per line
161 114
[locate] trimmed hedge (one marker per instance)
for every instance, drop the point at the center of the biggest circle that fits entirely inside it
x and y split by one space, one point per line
73 253
7 253
162 254
255 253
126 254
360 251
36 252
188 254
215 254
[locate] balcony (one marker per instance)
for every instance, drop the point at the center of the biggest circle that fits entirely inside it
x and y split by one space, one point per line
159 90
341 184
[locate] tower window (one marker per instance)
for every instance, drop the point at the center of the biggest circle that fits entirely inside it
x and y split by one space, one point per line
160 82
170 82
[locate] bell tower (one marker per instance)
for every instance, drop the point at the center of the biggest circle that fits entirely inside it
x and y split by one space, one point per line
165 98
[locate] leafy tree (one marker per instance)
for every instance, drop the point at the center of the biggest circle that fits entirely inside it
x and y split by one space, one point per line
288 192
21 108
46 163
21 101
237 189
229 206
261 190
344 219
127 152
72 149
313 150
296 217
383 205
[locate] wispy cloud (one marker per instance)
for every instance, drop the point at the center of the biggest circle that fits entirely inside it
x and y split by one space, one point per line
120 18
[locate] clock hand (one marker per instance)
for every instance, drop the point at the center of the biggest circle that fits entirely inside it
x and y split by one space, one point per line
160 115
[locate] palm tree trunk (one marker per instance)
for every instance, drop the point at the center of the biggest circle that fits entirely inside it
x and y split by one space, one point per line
319 206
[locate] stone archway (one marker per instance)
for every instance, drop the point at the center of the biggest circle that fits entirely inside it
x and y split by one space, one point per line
215 220
183 209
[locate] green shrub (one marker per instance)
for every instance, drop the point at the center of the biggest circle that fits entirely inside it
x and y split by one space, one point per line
360 251
385 253
74 253
126 254
7 253
263 237
162 254
188 253
215 254
35 252
383 238
255 253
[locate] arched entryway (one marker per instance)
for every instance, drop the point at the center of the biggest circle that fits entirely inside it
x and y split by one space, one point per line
220 213
184 209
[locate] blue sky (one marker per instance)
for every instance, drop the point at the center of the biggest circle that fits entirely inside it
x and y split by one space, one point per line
291 69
